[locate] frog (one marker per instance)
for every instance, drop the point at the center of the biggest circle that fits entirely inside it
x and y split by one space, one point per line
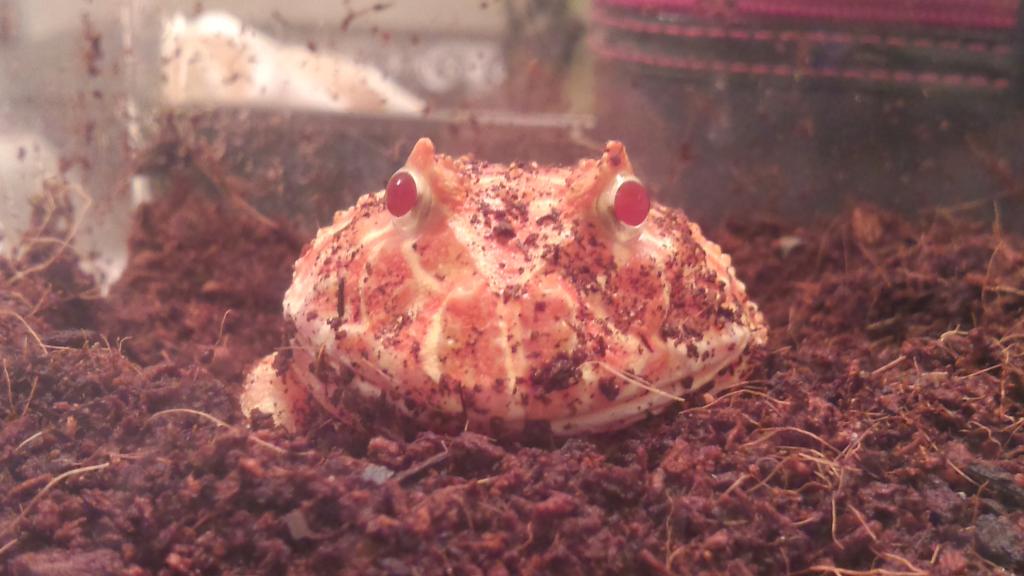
505 299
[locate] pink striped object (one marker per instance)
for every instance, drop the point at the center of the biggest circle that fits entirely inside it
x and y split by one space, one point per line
985 14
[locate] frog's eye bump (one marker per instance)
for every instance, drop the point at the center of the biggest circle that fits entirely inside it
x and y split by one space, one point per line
402 194
632 203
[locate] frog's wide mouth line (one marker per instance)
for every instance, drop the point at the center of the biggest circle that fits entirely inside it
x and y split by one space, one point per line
879 427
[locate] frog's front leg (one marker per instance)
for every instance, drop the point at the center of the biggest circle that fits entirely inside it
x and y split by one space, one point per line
280 385
290 384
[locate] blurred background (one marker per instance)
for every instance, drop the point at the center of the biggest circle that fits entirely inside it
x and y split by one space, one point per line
790 109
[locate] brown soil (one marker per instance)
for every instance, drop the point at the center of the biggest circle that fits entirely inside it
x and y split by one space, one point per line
882 433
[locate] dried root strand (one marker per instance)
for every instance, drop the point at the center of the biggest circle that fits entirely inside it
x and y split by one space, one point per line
28 327
658 388
8 546
220 423
62 243
49 486
10 387
31 395
775 430
654 388
824 569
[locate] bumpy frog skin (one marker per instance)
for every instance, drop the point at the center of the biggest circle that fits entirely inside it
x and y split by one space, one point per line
506 297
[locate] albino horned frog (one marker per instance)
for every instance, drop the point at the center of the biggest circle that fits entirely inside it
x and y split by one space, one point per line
498 298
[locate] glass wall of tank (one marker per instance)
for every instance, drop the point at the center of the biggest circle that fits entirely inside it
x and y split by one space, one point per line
302 106
289 101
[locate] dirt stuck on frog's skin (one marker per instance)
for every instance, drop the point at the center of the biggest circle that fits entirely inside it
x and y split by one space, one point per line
498 297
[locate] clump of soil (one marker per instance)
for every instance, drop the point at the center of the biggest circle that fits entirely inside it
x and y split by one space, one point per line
203 285
882 432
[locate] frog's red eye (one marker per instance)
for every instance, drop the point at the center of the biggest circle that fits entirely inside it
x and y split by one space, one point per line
400 195
631 203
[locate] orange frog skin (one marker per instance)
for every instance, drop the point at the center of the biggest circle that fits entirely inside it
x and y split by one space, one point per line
498 298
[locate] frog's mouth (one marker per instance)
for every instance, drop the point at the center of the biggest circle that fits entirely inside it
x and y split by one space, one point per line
637 397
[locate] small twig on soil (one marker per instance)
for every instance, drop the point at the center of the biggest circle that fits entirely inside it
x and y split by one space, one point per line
410 472
982 371
888 365
897 558
31 395
833 468
988 276
10 387
805 521
863 522
220 333
669 553
743 478
986 430
951 333
120 344
8 546
62 243
35 336
1014 426
847 572
737 392
1005 290
958 470
27 440
49 486
854 446
529 538
42 300
221 423
835 518
672 557
776 430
